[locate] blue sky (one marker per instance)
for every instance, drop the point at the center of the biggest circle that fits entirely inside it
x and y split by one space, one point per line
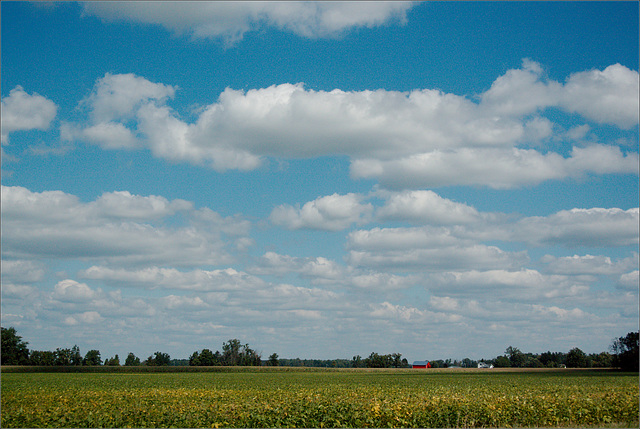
320 180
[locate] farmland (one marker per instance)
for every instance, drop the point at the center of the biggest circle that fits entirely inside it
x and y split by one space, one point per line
298 398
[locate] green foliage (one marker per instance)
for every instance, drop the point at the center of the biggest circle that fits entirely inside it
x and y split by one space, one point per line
114 361
43 358
275 397
158 359
92 358
14 350
132 360
385 361
502 362
273 360
234 353
625 350
576 358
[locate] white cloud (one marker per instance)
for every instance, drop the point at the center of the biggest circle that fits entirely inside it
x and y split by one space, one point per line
21 271
331 213
231 20
21 111
521 91
425 207
116 228
227 279
523 285
496 168
604 96
607 96
425 249
416 139
319 269
378 281
72 291
597 227
444 303
589 264
117 96
124 205
109 135
630 281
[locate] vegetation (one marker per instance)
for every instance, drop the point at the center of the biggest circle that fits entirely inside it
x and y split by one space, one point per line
286 397
625 350
624 356
233 354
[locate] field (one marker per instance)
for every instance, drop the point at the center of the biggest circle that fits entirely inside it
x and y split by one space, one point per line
279 398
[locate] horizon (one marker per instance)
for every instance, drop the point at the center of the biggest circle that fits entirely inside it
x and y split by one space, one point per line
320 178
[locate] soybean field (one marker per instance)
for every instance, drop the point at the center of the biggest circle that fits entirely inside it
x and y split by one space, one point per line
347 398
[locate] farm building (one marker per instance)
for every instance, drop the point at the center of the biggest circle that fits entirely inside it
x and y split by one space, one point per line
484 365
421 364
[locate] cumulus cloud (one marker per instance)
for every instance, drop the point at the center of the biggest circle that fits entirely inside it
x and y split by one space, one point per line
425 207
521 91
496 168
117 96
71 290
319 269
21 271
425 249
231 20
415 139
629 281
227 279
523 285
22 111
116 227
331 213
596 227
109 135
589 264
604 96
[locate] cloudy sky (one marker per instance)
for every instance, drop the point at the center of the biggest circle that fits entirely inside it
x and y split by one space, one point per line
320 180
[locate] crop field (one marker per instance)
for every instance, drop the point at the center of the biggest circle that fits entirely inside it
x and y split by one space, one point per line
382 398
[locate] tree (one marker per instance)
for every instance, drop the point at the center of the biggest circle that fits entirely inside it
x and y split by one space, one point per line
63 357
92 358
132 360
234 353
114 361
76 357
502 362
576 358
14 350
231 352
516 357
159 359
42 358
601 360
552 359
205 358
534 363
273 360
356 362
625 350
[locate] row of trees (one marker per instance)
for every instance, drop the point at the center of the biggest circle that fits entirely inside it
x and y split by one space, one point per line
233 353
375 360
16 352
624 354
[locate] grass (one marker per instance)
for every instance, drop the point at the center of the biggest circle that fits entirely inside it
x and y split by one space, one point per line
279 397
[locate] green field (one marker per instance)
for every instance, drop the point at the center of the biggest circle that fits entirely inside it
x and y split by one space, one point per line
382 398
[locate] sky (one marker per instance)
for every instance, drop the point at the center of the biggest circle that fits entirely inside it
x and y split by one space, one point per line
320 180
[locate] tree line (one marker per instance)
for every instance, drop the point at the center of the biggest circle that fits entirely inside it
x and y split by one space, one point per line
624 354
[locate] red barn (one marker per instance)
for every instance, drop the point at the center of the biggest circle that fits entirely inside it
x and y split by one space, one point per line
421 364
